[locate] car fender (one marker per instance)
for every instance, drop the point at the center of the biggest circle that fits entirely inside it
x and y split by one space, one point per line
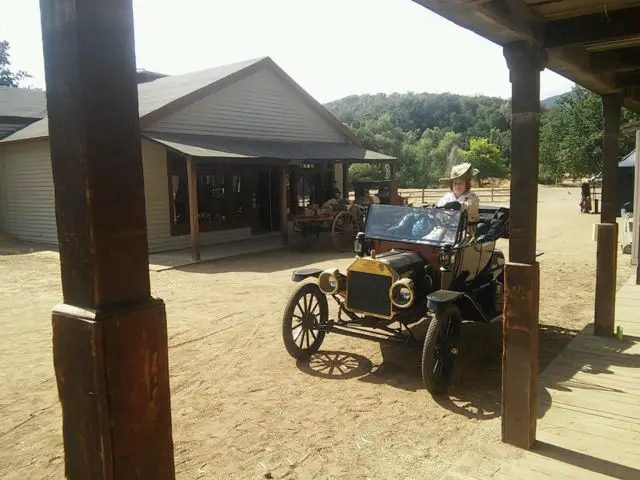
469 308
304 273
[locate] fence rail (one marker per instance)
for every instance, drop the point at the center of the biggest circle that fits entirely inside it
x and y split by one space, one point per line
428 196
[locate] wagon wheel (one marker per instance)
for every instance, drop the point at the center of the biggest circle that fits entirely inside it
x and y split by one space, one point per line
440 348
306 311
344 229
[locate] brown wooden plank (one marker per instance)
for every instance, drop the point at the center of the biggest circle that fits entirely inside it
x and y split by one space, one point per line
109 339
284 225
611 108
606 262
525 63
96 154
78 358
520 354
194 222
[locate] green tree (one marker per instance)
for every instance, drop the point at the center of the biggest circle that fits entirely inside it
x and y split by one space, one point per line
9 78
571 135
485 156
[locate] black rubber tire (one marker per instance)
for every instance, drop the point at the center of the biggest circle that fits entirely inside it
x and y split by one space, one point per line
446 316
313 336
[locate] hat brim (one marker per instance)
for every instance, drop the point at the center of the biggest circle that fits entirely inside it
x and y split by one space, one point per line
471 172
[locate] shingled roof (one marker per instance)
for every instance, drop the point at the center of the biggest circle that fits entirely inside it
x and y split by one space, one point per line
22 103
164 95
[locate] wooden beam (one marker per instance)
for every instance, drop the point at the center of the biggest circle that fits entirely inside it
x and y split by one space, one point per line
595 28
623 59
345 179
611 107
194 216
110 350
525 63
520 354
606 263
607 232
521 304
501 21
284 221
635 235
628 80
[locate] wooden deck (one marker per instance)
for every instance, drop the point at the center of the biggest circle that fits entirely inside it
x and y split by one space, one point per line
588 409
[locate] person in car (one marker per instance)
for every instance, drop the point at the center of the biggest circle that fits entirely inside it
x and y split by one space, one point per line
459 182
460 196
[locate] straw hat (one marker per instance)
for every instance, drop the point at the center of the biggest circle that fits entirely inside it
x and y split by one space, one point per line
460 171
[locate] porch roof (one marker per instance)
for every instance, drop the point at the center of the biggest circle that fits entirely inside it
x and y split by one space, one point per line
594 43
210 146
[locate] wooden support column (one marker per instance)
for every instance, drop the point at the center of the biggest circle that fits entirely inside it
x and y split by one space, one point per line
635 233
611 109
194 215
606 261
109 336
284 221
522 278
520 342
607 230
635 242
345 179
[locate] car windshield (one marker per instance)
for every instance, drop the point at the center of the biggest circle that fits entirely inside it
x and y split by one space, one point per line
429 226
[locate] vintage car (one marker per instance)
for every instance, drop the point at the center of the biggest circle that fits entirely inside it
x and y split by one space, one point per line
411 265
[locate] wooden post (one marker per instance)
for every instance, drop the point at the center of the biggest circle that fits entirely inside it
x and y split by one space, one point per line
611 108
520 347
194 215
520 340
345 180
635 233
110 350
606 261
284 221
525 63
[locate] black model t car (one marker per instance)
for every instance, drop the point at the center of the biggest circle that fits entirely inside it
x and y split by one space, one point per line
412 264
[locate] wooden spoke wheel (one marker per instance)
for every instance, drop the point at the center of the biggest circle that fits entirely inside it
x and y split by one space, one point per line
441 348
344 230
306 311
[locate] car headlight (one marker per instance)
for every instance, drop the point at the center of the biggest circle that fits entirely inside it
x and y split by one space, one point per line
328 282
402 293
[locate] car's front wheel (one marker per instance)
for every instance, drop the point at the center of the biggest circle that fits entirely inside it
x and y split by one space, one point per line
441 348
306 311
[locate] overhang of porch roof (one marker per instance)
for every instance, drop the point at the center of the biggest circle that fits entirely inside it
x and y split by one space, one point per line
593 43
209 146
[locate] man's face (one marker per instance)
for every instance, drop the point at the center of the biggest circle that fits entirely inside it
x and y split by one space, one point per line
459 186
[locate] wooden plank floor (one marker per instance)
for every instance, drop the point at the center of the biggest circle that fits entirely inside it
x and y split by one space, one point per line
588 408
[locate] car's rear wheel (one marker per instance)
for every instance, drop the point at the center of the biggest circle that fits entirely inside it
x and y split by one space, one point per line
306 311
441 348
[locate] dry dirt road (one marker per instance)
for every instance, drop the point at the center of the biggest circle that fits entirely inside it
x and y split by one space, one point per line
243 409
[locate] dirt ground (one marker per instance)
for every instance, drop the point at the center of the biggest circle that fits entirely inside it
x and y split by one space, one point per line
242 408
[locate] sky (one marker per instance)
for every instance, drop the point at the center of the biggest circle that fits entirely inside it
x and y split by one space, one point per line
332 48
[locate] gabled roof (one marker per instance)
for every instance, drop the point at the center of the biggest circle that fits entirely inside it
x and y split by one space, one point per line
165 95
22 103
629 161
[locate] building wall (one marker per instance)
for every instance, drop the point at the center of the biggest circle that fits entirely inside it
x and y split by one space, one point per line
2 194
261 106
156 185
28 194
27 201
